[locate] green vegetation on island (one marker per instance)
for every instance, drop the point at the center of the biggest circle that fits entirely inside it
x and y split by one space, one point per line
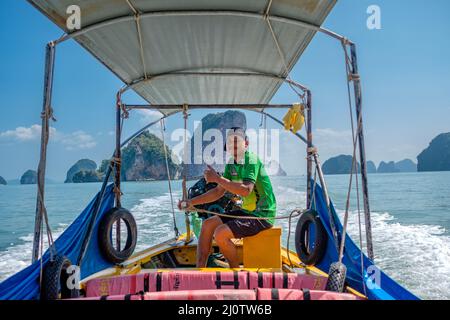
85 176
144 159
436 157
342 165
80 165
29 177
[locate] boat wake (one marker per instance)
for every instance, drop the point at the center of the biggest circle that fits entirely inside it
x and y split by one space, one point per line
417 256
18 256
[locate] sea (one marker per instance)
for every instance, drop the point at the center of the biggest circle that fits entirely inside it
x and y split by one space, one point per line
410 220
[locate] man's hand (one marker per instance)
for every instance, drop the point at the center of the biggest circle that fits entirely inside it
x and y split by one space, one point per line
184 204
211 175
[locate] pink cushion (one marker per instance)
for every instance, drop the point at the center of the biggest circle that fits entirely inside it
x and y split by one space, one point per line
194 280
293 294
286 280
115 297
117 285
224 294
166 281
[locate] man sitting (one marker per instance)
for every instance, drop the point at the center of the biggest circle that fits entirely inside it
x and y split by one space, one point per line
246 177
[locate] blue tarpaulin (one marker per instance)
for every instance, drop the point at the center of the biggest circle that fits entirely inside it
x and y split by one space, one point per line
367 279
24 285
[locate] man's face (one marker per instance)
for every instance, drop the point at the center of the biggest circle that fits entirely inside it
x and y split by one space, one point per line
237 146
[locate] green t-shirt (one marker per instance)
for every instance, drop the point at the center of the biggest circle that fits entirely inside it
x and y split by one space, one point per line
261 201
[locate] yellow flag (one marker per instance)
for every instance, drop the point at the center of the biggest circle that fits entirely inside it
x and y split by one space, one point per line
295 117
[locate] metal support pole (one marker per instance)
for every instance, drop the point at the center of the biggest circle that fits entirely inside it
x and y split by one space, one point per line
117 165
362 152
95 211
46 115
185 196
118 153
309 160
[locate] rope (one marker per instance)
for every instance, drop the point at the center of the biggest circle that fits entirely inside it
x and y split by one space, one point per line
125 113
48 114
113 163
347 67
49 236
353 170
175 228
354 139
194 209
289 238
313 153
290 217
347 204
313 200
360 232
116 160
280 51
132 7
41 249
41 210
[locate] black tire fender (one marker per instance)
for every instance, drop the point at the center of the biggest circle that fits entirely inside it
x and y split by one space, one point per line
104 235
54 280
320 241
336 277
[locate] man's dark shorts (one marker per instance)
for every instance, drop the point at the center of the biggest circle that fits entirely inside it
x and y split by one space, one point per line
242 228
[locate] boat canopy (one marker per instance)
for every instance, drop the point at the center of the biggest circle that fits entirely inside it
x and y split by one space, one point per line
200 52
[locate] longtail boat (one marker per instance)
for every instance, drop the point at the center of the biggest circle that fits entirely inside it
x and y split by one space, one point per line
181 55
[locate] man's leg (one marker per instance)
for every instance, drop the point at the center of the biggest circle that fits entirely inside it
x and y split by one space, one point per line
205 240
223 236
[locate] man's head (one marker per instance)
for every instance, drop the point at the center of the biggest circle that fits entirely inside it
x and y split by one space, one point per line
236 143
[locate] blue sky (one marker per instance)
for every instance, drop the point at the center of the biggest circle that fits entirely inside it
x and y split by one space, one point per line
404 67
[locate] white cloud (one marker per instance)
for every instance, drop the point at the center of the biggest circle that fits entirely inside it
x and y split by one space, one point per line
148 116
22 133
75 140
331 142
71 141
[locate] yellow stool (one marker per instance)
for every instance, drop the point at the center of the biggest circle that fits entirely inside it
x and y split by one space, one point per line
263 250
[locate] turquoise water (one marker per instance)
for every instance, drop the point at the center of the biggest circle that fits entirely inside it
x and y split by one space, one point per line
410 220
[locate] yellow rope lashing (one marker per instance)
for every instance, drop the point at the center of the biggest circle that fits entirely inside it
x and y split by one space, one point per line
295 118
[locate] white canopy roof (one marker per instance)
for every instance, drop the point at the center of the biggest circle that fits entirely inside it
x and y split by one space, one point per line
195 51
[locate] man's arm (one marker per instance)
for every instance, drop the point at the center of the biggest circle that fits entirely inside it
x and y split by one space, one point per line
240 188
208 197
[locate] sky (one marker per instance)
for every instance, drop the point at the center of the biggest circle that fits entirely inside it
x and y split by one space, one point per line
404 69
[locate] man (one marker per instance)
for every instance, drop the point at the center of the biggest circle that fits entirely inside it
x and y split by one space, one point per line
246 177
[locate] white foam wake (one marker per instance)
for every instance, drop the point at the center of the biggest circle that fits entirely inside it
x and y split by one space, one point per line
154 220
417 256
18 256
